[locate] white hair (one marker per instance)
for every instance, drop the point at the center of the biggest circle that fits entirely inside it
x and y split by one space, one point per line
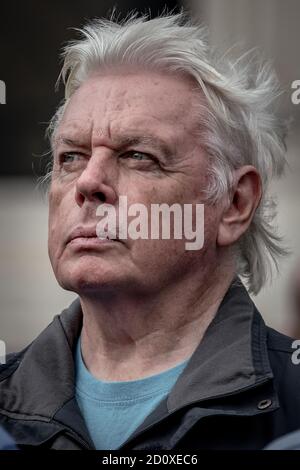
237 123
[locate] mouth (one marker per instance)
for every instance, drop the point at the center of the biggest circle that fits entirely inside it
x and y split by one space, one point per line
88 236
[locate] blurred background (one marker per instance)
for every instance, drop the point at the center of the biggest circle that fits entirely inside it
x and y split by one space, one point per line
32 34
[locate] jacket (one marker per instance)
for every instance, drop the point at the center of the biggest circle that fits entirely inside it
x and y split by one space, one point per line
239 390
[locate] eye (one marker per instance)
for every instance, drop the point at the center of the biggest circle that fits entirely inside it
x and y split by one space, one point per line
139 156
70 157
70 162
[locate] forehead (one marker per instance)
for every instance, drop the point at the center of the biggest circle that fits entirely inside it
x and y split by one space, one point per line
119 102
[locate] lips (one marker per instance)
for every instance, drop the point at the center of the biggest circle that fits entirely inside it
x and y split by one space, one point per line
89 233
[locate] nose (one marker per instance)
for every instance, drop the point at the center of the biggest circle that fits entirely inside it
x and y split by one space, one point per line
97 182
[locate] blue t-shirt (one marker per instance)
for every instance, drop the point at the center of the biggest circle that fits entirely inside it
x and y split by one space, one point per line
113 410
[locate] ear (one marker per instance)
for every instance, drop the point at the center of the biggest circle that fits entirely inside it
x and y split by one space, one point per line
245 198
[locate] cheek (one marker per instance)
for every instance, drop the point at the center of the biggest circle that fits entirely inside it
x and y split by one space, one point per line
53 208
211 225
61 203
54 211
159 256
59 214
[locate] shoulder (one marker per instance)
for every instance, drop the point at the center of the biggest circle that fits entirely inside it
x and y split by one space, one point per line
11 363
62 332
278 342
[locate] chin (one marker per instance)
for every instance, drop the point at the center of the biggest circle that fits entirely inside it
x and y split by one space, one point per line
87 287
86 281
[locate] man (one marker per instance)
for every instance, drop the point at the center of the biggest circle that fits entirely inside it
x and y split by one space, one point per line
163 348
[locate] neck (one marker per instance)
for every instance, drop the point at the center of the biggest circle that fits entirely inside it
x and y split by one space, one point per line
128 338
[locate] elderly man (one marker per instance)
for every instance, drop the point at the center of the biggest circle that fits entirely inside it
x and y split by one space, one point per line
163 348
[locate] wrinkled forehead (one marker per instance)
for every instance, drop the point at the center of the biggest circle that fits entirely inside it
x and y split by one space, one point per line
144 103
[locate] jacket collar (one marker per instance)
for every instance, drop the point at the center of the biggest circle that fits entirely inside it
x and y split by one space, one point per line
38 383
44 378
231 357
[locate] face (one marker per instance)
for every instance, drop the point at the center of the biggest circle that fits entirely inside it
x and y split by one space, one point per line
133 135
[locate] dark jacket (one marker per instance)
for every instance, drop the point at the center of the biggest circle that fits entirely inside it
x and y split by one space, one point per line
240 389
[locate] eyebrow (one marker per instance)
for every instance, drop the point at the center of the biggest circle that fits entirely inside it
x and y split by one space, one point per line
151 140
123 142
67 141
